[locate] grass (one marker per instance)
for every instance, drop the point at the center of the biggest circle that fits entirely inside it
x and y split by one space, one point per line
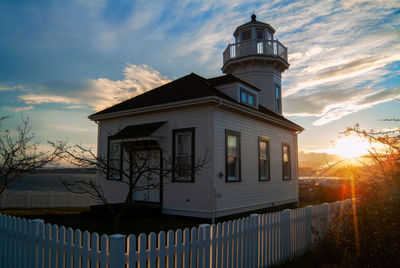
78 219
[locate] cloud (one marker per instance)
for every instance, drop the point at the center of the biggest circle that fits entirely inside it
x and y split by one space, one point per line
73 107
341 56
39 99
338 50
103 92
335 103
138 79
18 109
6 88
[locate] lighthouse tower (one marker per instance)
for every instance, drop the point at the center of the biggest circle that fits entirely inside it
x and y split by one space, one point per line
258 59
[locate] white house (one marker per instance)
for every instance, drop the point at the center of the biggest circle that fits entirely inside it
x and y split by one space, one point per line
237 118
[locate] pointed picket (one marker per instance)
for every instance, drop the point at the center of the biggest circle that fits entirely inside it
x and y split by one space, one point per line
132 251
152 250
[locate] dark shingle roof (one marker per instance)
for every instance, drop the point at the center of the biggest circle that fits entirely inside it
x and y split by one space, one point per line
189 87
227 79
137 131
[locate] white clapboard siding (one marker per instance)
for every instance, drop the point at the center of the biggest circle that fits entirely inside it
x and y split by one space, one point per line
43 199
255 241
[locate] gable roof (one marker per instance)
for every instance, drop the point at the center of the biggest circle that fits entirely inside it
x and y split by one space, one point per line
189 87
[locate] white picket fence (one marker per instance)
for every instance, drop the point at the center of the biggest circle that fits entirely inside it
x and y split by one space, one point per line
255 241
43 199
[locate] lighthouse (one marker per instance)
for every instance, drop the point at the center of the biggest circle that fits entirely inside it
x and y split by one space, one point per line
258 59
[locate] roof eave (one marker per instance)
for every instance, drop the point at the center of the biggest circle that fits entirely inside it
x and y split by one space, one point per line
95 117
204 100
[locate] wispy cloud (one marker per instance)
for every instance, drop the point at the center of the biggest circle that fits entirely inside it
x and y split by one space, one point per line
340 55
335 103
341 52
43 98
73 107
6 88
103 92
18 109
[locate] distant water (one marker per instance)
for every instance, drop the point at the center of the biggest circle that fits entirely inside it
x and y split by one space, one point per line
48 181
318 178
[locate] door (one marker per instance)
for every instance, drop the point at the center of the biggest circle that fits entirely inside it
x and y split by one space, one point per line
146 164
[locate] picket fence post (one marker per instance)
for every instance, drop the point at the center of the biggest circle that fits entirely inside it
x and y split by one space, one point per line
206 244
255 241
34 243
255 218
117 250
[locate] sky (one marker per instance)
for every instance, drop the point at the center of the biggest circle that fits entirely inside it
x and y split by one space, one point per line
61 61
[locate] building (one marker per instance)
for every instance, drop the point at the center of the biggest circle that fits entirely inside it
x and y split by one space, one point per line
236 119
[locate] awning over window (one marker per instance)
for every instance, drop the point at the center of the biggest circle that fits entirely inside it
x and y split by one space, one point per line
138 132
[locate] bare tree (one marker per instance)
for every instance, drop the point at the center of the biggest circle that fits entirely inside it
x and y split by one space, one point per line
19 153
383 156
138 172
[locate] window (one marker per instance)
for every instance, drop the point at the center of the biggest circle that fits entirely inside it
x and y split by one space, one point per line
286 162
260 34
263 152
232 160
246 35
247 97
278 100
114 160
183 155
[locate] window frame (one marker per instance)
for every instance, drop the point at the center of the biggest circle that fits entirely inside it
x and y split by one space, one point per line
175 178
248 92
229 132
278 106
267 141
287 178
247 32
108 176
258 30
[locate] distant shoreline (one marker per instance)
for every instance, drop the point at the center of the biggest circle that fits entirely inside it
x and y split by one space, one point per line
66 170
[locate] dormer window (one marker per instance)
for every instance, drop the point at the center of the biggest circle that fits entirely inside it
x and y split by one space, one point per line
247 97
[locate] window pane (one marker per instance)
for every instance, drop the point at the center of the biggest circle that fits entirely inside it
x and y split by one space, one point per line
246 35
277 98
232 144
115 161
233 158
264 160
183 155
250 99
243 96
286 162
259 35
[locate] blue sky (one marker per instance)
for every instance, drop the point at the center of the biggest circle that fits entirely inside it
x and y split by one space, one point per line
63 60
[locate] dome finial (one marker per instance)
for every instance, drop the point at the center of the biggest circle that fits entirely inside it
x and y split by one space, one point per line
253 17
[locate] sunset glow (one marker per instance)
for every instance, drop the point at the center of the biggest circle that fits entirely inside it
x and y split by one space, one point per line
350 147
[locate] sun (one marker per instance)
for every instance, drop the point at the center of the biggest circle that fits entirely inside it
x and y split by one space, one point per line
350 147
